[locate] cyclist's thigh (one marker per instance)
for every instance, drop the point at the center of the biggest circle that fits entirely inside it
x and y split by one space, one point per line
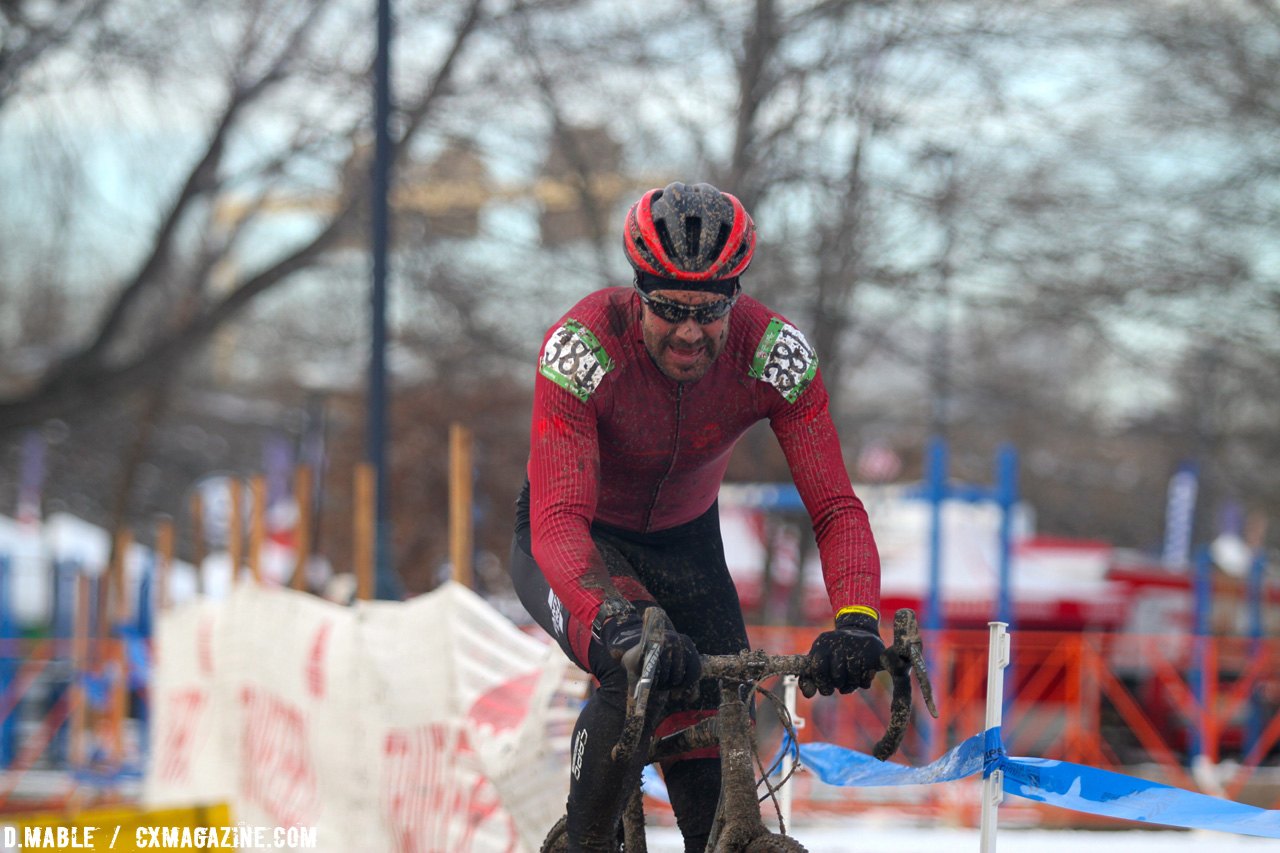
552 616
544 605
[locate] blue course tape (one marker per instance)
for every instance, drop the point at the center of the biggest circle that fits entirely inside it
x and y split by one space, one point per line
1101 792
836 765
1057 783
651 783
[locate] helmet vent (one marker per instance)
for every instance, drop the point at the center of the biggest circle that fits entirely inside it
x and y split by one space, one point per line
692 235
664 237
722 237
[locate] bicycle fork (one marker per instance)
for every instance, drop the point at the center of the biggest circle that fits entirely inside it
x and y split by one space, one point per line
737 819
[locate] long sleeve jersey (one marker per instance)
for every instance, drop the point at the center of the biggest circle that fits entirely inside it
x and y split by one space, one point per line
615 440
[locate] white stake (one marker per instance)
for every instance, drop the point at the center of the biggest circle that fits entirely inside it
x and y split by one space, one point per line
993 785
789 683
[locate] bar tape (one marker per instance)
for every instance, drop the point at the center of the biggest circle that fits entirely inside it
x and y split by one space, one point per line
1057 783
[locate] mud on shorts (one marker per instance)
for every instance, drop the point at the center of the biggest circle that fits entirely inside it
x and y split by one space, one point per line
681 569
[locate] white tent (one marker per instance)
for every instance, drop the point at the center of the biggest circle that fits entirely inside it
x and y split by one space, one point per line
34 550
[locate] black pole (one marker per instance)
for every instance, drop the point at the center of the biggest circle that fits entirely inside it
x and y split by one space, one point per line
386 584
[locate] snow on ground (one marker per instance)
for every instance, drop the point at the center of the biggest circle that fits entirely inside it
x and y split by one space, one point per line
854 836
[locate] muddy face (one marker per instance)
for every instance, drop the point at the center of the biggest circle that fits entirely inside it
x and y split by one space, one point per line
684 351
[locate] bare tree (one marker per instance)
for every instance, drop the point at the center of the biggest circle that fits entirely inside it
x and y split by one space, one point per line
169 304
987 216
1151 234
32 29
243 129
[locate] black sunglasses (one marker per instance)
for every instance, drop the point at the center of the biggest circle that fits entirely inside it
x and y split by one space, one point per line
676 312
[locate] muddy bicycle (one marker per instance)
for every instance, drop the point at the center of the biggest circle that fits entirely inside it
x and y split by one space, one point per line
738 826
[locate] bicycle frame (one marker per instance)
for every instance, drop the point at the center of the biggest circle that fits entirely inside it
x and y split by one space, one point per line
737 820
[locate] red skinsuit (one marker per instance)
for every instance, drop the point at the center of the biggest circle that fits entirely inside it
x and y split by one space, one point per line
614 440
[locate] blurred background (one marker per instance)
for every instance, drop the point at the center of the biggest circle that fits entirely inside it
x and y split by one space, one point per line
1042 227
1050 223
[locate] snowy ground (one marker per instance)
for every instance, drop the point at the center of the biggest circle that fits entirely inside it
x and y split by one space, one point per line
854 836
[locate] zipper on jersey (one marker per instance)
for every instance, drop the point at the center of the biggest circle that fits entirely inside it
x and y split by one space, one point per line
671 461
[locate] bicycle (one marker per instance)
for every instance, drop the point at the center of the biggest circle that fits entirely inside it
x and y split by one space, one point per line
738 826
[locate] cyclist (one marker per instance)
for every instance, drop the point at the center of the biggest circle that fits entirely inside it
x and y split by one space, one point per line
640 396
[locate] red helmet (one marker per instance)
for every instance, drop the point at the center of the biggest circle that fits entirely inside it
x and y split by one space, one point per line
690 233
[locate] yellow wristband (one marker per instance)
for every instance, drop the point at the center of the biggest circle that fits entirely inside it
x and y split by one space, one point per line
859 608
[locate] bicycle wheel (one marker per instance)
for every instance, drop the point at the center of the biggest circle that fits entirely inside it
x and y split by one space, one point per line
774 843
557 840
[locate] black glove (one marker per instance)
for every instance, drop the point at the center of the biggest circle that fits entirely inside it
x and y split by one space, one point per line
847 658
679 665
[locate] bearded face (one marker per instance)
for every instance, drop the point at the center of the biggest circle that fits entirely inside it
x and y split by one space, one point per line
684 350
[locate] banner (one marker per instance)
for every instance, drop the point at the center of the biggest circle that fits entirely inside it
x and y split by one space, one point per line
398 726
189 712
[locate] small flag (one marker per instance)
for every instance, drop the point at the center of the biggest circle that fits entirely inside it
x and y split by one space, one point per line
1179 516
31 482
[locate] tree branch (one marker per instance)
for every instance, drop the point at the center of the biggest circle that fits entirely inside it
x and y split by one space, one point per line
201 180
85 382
